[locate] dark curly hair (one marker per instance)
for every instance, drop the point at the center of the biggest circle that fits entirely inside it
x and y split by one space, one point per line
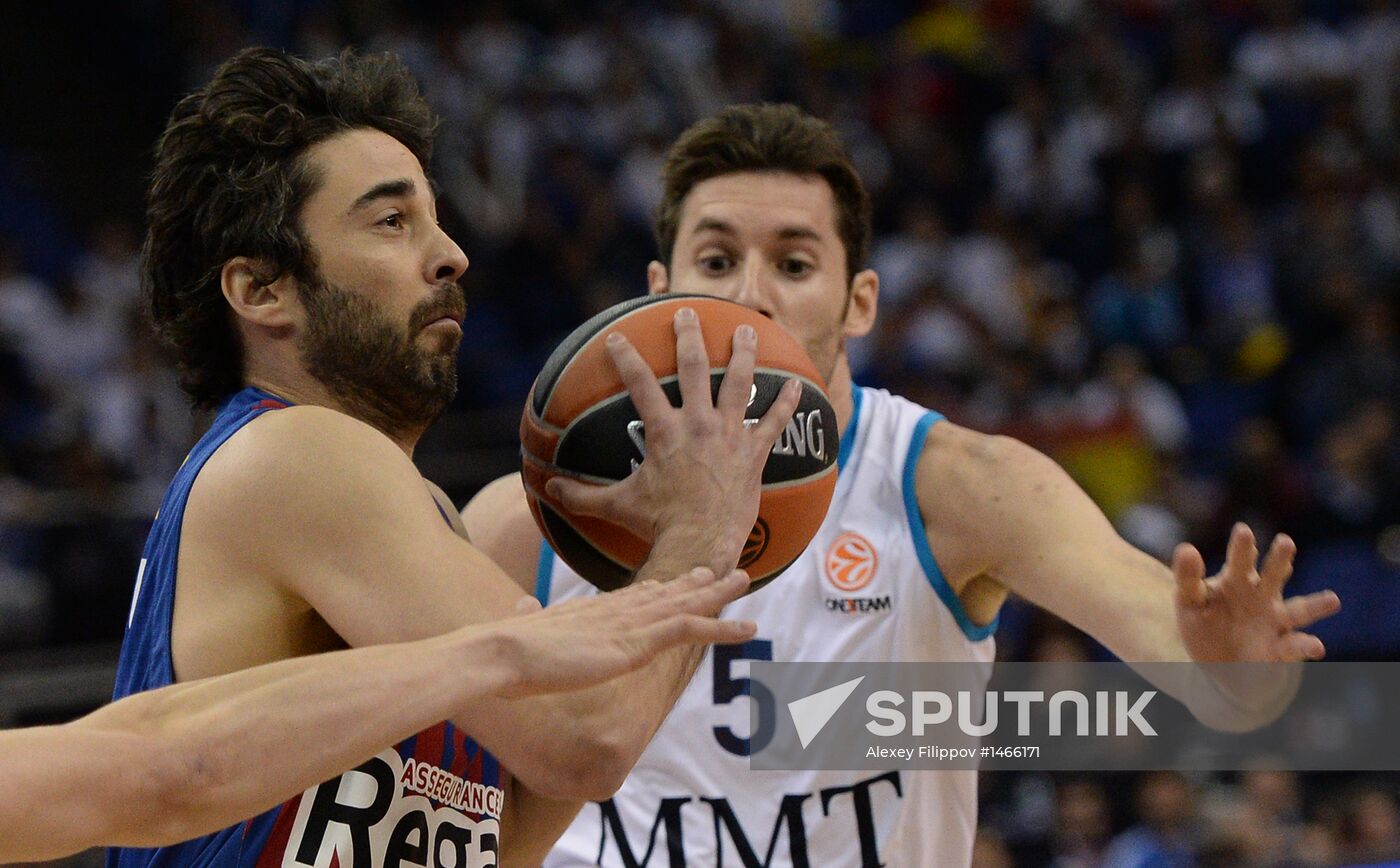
231 178
765 138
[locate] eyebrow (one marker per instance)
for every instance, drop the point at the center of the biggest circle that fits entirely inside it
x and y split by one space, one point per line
786 233
398 188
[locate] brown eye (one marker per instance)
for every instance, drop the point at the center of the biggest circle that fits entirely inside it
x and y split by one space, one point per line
714 264
795 267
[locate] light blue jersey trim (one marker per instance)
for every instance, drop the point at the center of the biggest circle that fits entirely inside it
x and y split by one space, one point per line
544 573
972 631
848 437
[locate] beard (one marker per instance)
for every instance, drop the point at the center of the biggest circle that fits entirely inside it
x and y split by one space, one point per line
374 367
825 348
823 352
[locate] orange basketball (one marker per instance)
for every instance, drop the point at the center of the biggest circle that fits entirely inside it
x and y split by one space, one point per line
579 422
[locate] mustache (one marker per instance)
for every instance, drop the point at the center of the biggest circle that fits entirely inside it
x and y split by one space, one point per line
447 301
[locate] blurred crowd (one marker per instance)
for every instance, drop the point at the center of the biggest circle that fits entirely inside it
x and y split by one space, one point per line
1256 819
1158 239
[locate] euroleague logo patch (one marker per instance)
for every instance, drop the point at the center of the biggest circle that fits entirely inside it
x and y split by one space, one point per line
755 545
851 562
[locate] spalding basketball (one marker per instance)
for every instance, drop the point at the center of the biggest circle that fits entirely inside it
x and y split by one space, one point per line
579 422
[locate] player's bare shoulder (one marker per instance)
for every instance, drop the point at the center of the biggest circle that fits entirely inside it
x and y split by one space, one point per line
955 456
303 442
260 508
974 491
499 523
990 490
966 463
291 470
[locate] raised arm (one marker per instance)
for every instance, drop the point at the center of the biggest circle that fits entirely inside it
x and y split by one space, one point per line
1015 517
171 764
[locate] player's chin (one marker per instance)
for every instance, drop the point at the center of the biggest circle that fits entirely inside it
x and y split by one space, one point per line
442 371
435 371
440 342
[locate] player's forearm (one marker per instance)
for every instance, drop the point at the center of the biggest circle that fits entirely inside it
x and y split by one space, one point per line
66 791
677 550
185 760
1138 623
1078 567
1120 596
230 747
607 727
610 724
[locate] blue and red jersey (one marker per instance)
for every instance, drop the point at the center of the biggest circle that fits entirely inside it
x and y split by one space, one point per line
434 799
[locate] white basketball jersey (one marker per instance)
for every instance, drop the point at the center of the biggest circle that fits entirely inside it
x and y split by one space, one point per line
867 589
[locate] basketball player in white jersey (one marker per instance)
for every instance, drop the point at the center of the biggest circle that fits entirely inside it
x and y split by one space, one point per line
932 525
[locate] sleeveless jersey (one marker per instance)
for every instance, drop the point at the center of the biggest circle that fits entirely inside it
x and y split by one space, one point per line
868 588
434 799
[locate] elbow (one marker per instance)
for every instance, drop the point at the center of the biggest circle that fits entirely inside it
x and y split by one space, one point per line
592 769
188 785
602 777
153 795
161 780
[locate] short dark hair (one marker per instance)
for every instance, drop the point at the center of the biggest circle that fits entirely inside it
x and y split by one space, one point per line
765 138
231 179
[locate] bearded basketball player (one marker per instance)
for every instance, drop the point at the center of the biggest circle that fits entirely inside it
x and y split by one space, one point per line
298 274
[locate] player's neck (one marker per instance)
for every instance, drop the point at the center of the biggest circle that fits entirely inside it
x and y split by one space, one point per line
838 390
296 386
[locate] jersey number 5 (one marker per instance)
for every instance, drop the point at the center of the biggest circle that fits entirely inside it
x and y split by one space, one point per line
729 688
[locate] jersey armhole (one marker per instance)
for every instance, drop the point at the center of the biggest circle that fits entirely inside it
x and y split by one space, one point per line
848 437
973 631
544 573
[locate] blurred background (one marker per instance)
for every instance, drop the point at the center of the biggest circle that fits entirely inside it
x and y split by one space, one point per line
1157 239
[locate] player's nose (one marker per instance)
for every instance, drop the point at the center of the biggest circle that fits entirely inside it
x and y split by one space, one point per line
447 263
754 288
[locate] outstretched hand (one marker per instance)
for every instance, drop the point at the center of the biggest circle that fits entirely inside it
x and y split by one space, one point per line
583 642
703 464
1240 614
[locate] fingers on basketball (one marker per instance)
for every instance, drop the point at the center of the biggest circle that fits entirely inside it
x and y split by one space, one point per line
578 423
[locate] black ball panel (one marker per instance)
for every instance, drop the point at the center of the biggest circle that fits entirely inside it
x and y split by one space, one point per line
605 440
581 555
